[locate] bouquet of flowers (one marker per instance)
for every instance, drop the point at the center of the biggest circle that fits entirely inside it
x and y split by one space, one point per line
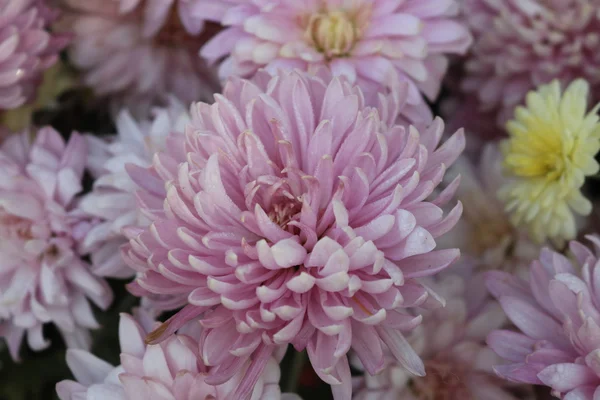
299 199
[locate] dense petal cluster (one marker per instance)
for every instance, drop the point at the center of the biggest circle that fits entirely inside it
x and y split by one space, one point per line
551 149
140 56
520 45
172 370
364 40
27 48
484 233
558 315
451 342
264 188
112 200
294 213
42 276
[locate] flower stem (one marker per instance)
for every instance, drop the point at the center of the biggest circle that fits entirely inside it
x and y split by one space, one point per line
295 372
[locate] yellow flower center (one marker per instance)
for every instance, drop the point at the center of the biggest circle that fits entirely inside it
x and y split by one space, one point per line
333 33
545 153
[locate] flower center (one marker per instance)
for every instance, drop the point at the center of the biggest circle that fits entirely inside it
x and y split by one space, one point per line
280 199
13 227
332 33
545 155
485 239
490 227
24 237
444 381
283 213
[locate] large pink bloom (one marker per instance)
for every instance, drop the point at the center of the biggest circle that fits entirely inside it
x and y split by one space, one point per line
42 276
27 48
295 214
364 40
171 370
522 44
451 342
558 315
140 56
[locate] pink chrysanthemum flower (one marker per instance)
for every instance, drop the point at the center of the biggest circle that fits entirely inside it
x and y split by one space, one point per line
558 315
294 213
170 370
484 233
112 200
140 56
364 40
451 342
522 44
27 48
42 276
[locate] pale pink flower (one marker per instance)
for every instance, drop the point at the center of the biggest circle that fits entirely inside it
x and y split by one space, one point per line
451 342
141 56
27 49
42 276
521 44
558 315
112 200
170 370
365 40
485 234
294 213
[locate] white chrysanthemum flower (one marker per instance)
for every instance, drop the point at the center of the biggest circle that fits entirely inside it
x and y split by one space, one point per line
112 200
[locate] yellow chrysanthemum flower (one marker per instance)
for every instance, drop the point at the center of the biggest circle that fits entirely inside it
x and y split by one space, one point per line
551 149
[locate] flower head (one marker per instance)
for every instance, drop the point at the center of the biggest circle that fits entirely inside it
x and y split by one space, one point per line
294 213
484 233
28 48
451 342
557 314
520 45
172 369
364 40
112 200
42 276
141 56
550 151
